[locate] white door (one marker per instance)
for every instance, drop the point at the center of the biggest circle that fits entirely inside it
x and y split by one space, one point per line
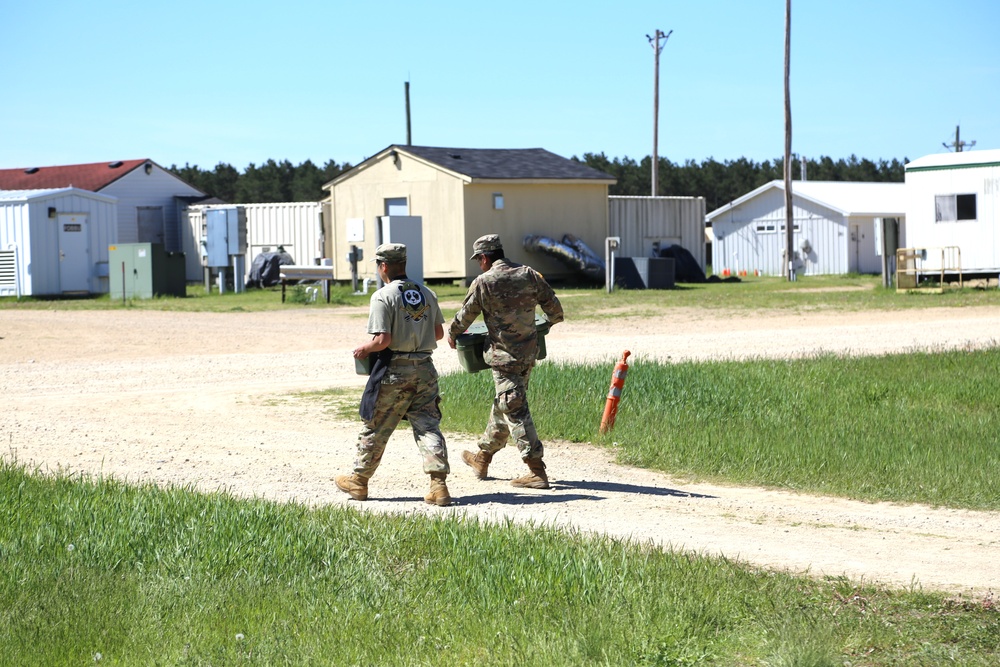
74 253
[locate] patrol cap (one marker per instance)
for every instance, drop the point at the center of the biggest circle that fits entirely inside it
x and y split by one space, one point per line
390 253
485 244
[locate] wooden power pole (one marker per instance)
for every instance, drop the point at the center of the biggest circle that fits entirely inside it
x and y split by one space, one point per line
789 212
657 48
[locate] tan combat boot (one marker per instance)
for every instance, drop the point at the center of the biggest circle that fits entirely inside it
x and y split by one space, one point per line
536 479
438 495
355 485
480 462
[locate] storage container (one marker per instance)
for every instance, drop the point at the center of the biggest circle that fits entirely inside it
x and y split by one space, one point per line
472 344
363 366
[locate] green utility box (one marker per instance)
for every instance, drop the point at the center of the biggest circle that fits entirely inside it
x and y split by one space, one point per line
472 344
145 270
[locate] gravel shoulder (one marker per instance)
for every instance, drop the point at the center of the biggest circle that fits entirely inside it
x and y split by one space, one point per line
206 400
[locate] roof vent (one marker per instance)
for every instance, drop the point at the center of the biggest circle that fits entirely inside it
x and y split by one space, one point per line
115 164
455 156
32 170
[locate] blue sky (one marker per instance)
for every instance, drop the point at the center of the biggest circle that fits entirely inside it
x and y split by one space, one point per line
203 82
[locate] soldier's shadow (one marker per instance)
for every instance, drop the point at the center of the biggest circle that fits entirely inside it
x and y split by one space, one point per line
539 497
616 487
519 498
599 492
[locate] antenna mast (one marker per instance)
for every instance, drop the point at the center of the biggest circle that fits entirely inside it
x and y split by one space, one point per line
657 48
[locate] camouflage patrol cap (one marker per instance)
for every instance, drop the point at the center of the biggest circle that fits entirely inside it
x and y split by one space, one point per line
390 253
485 244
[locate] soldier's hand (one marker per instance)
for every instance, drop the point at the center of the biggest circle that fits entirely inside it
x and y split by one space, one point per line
451 342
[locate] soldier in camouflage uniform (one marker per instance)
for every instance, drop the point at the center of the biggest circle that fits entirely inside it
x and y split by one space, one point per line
404 317
506 294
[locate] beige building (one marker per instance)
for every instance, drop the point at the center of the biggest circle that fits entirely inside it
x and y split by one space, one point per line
459 195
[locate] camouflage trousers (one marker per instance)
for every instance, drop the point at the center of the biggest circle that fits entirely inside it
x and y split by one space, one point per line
409 389
510 416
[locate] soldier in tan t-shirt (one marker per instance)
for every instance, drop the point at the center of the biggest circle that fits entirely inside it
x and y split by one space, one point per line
404 318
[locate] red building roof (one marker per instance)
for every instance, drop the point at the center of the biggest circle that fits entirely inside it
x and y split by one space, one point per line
94 177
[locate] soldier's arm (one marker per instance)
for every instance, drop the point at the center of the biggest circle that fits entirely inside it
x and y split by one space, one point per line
548 301
467 314
379 342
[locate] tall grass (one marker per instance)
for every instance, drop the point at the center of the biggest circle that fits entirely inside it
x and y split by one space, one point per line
921 427
101 571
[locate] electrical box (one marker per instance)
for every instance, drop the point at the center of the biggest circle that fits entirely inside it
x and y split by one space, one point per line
645 272
145 270
225 234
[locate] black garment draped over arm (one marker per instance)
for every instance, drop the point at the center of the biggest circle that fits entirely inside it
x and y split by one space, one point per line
380 365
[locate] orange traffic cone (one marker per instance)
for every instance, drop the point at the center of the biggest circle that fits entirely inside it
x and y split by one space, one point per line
615 393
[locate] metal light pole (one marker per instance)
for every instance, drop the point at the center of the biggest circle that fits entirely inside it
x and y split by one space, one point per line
657 48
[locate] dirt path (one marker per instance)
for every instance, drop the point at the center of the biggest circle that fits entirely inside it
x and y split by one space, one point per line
204 399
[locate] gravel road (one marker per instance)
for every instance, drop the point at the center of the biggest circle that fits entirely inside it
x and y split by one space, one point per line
207 400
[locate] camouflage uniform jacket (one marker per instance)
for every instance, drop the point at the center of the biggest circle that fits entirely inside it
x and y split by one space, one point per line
506 295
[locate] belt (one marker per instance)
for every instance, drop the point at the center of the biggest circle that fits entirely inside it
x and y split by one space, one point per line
410 361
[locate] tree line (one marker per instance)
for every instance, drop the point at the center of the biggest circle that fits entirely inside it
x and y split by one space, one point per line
271 182
718 182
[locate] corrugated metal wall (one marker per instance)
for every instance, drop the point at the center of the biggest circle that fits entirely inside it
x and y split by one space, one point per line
752 237
641 221
294 225
28 225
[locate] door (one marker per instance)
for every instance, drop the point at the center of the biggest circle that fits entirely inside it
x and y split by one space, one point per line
74 253
408 230
149 223
853 249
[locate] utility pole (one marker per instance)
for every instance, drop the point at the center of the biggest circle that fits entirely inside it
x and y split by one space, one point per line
958 145
789 213
657 48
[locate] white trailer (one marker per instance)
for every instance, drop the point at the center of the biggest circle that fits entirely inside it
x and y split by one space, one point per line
952 202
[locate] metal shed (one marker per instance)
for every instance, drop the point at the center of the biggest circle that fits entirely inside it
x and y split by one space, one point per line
55 241
646 224
297 226
952 201
834 227
149 197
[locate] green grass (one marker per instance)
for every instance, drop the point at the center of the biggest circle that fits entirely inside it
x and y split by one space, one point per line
815 293
920 427
141 576
94 570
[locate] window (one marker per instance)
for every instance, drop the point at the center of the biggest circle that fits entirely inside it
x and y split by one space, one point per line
497 201
952 208
770 228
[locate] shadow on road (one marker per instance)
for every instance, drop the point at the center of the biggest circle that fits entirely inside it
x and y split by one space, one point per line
615 487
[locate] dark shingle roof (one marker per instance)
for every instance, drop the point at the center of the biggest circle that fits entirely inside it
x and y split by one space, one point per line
501 163
94 176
